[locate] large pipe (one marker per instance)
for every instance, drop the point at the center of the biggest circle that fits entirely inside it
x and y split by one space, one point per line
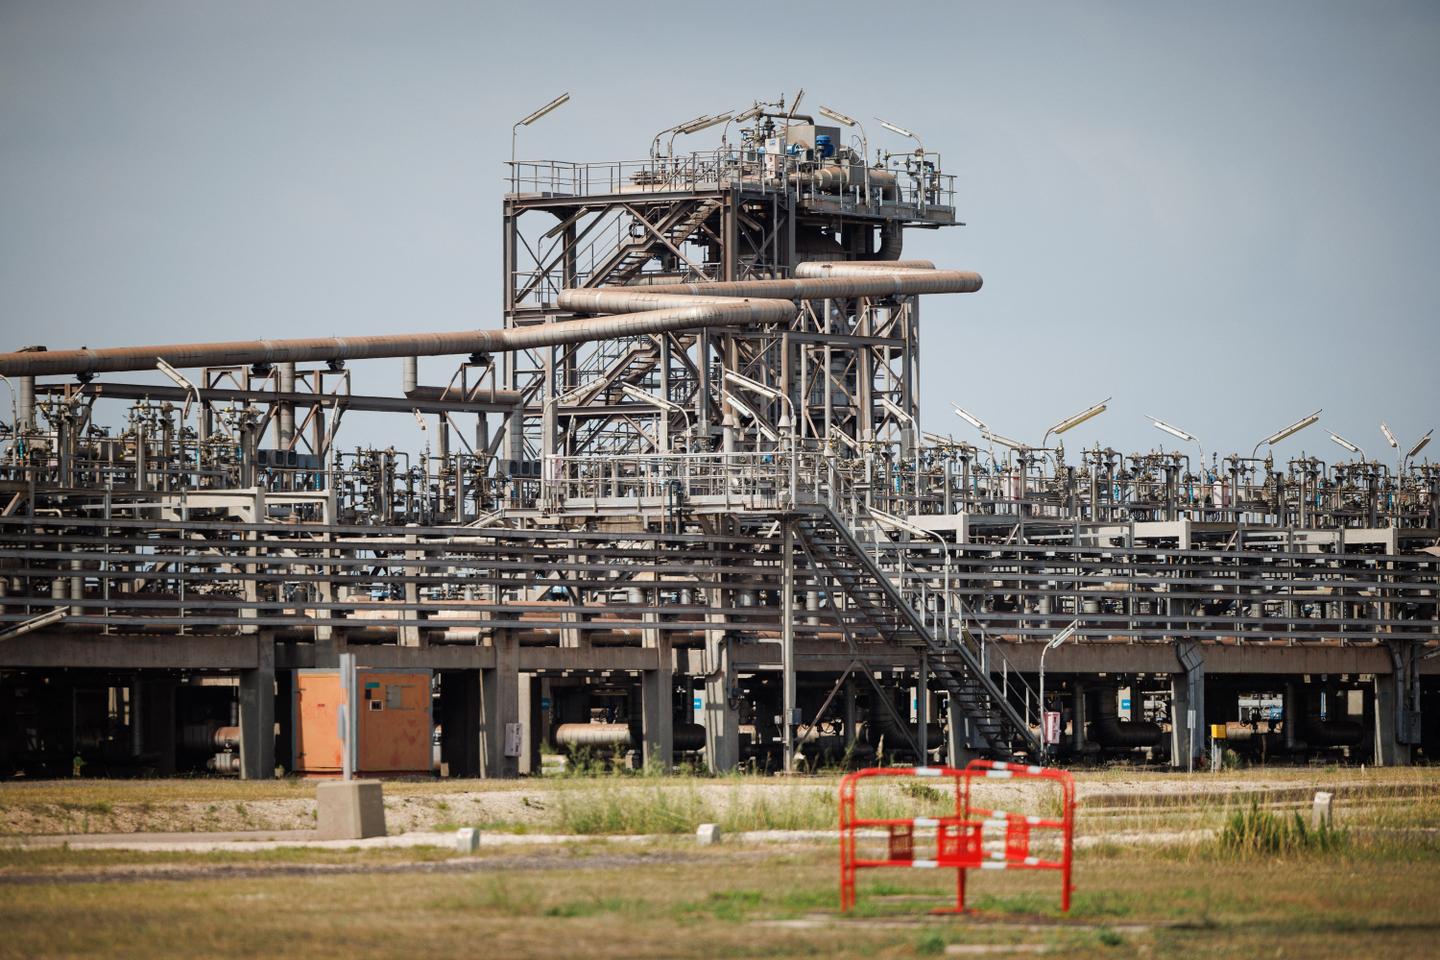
647 311
617 736
320 349
479 401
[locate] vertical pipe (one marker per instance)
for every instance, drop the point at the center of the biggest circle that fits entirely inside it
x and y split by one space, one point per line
285 413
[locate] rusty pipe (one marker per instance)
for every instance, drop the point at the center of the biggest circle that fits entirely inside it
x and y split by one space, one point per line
316 349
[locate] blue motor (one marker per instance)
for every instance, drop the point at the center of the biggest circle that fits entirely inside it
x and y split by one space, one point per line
824 147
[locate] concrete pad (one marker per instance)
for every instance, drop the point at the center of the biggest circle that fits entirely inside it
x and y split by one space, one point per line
350 810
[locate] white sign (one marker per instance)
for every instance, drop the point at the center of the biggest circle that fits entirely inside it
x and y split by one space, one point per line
514 735
1052 726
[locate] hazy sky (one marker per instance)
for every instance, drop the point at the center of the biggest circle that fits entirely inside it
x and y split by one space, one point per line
1224 215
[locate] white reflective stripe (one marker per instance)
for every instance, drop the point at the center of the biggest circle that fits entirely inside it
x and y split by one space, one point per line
994 824
1035 769
998 855
925 822
993 865
927 771
1000 765
999 774
999 815
924 864
1032 820
1032 860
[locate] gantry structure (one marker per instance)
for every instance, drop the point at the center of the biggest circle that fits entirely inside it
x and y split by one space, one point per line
678 505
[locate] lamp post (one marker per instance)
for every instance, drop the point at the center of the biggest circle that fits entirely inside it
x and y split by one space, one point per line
695 126
515 130
1055 641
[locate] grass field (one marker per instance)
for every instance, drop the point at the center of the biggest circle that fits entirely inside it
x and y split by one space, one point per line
1179 867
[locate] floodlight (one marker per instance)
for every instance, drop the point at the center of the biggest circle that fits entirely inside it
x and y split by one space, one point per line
839 117
558 101
1419 445
895 129
1389 437
1345 443
971 419
1174 431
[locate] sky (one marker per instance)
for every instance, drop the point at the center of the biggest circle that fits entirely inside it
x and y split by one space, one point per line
1224 215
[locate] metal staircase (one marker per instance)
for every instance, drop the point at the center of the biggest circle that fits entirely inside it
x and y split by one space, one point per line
875 606
678 224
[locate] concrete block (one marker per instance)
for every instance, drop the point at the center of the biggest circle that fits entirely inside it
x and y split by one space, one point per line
467 840
708 833
350 810
1323 812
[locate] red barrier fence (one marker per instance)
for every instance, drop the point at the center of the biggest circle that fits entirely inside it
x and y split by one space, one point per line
973 838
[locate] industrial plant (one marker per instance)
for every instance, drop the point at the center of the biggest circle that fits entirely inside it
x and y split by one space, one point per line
679 509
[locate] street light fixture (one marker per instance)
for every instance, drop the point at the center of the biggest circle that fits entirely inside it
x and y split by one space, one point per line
655 400
515 130
760 425
787 415
970 418
1069 423
1419 445
1015 445
1284 432
895 128
849 121
1346 443
1389 436
1175 431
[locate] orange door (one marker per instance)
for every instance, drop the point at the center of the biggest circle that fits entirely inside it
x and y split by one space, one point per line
317 734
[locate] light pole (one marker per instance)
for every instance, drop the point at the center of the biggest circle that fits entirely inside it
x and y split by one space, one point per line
515 130
1055 641
695 126
894 128
1175 431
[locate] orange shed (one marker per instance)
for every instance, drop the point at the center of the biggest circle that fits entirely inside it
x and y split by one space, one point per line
394 718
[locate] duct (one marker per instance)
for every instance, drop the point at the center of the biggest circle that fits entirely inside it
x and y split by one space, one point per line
285 430
322 349
892 241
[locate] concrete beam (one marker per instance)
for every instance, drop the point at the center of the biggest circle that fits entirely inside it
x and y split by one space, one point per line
53 649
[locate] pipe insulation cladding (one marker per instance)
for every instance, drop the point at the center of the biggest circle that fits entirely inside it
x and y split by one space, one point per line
637 311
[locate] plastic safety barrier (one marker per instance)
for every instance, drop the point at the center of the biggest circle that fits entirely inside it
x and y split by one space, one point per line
973 838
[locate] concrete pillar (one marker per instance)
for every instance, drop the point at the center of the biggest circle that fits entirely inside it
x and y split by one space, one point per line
257 714
722 721
1389 751
658 708
500 708
531 715
460 722
1187 705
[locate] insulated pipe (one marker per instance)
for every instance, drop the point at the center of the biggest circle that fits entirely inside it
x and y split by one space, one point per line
860 268
316 349
814 284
